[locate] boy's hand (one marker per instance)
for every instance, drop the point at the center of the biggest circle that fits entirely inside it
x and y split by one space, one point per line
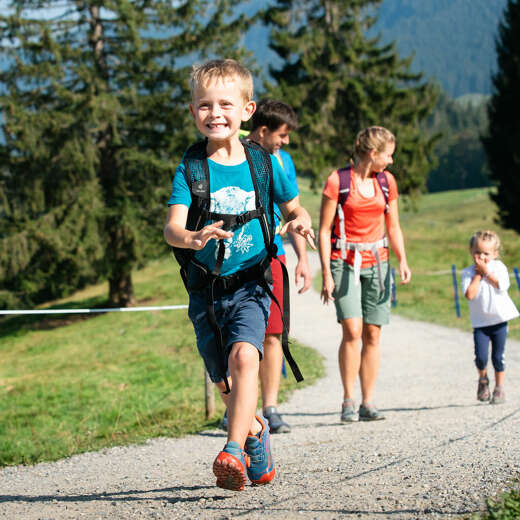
303 271
302 228
199 239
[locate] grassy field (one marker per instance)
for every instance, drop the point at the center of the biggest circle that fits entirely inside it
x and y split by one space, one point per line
436 236
75 383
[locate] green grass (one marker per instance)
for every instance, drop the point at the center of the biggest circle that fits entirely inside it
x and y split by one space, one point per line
505 507
436 236
75 383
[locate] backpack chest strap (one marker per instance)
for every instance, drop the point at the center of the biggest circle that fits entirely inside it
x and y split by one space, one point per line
233 221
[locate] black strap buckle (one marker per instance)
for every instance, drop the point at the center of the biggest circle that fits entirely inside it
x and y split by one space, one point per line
241 219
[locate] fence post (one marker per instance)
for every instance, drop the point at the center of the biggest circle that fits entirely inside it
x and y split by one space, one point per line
394 298
455 289
517 277
210 396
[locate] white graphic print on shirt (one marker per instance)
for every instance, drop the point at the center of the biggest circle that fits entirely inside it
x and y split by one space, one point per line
234 200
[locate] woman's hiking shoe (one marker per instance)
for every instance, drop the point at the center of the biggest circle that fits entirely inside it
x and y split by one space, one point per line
370 413
260 469
276 423
223 423
499 396
348 414
230 467
483 389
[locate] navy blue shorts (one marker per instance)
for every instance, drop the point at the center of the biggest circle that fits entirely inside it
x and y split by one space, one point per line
241 315
497 335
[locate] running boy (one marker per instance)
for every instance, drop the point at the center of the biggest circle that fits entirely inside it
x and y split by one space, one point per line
229 304
485 285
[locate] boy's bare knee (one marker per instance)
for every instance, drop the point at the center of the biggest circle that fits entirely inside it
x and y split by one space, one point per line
272 341
244 356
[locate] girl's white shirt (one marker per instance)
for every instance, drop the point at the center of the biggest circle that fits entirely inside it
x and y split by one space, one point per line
490 306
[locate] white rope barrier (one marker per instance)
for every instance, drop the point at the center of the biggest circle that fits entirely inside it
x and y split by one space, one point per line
88 311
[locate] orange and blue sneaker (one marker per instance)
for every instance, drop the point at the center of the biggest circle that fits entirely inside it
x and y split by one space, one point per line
258 448
230 467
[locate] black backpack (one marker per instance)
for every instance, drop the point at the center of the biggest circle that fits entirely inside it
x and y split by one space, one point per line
196 275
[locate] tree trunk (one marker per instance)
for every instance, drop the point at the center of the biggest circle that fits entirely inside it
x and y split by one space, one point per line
121 290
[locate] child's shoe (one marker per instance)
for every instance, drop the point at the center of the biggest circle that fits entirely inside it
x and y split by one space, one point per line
224 422
483 389
499 396
230 467
258 447
276 423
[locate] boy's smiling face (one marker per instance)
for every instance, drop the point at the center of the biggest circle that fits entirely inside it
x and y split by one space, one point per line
219 109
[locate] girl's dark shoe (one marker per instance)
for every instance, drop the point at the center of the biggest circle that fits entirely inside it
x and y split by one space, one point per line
483 389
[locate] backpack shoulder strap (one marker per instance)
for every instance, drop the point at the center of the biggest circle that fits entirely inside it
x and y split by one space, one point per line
259 161
197 172
344 184
382 180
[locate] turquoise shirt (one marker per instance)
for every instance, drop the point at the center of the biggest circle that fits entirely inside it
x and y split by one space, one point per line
232 192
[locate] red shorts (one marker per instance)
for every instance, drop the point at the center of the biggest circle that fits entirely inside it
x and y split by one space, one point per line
275 324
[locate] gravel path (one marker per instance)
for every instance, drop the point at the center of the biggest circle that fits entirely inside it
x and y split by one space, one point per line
438 454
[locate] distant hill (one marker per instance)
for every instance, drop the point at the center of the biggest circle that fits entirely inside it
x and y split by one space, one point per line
453 40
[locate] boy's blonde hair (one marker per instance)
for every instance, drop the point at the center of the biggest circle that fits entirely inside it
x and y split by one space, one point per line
203 75
372 138
486 236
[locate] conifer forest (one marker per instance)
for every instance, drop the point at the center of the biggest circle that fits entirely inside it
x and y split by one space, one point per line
94 119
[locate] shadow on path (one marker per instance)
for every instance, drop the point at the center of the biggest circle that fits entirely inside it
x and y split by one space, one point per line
237 512
123 496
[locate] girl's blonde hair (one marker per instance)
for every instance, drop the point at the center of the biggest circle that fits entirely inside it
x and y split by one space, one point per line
486 236
203 75
372 138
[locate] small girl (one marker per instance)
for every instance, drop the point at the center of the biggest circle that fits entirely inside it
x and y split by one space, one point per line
485 285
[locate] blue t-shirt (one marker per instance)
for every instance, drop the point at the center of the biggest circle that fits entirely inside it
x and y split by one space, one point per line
232 192
290 171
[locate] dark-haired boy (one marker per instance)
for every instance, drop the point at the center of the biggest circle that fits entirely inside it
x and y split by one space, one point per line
273 121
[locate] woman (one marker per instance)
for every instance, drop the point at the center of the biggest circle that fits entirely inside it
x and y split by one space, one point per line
358 203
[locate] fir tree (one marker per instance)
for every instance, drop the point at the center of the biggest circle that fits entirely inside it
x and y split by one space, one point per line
339 80
94 97
501 141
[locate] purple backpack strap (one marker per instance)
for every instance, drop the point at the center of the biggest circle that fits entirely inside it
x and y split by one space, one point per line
382 179
344 185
